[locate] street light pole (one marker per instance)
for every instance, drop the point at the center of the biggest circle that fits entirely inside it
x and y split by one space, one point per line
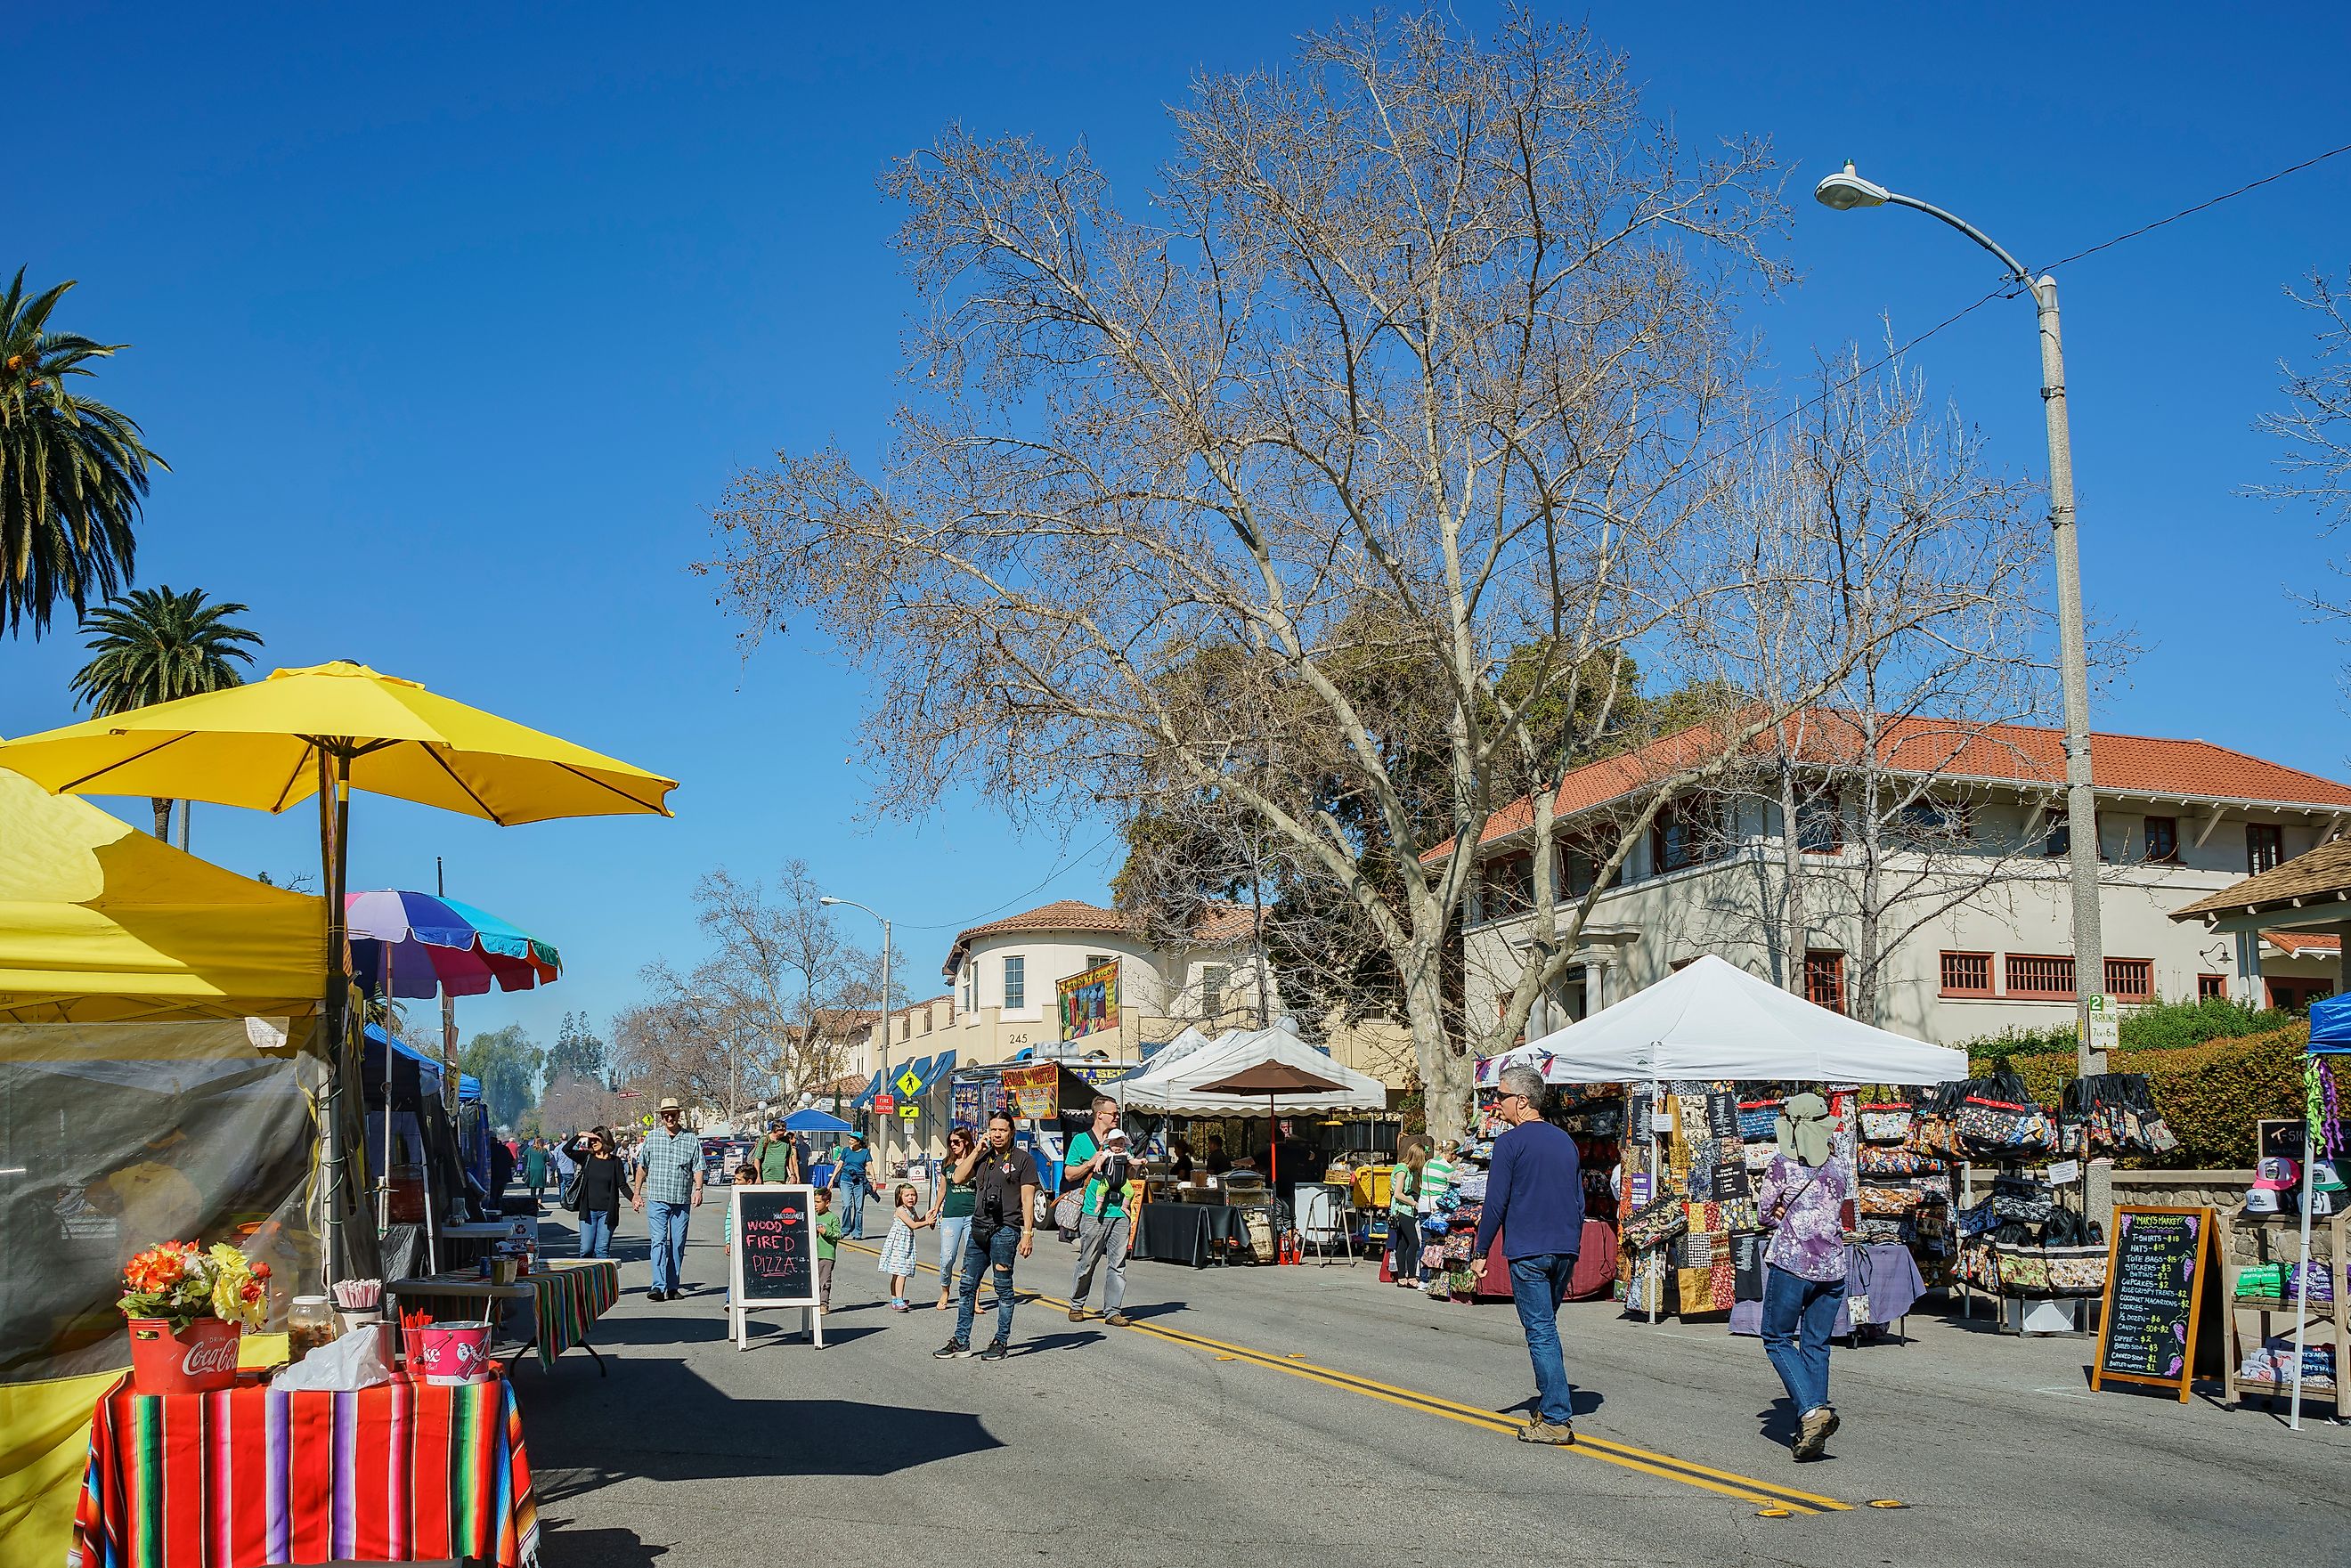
1843 191
881 1022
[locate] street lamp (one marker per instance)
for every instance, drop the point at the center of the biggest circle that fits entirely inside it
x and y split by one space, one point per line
882 1023
1843 191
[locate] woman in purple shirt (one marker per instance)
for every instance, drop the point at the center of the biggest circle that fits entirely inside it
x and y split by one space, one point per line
1802 1200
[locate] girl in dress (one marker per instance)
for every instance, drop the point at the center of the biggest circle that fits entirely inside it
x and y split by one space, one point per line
898 1248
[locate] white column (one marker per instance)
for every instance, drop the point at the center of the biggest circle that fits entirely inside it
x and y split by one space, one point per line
2246 986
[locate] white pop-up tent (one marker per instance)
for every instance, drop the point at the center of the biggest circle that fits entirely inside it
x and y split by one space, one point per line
1172 1087
1714 1020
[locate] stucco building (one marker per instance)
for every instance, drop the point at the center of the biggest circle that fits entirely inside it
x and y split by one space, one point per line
1987 890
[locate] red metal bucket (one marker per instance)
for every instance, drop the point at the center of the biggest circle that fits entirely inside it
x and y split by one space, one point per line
196 1360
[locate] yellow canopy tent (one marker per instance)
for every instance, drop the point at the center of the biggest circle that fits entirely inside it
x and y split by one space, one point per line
117 950
100 922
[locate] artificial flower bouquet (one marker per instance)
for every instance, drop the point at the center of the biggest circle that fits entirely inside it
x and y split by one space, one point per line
189 1306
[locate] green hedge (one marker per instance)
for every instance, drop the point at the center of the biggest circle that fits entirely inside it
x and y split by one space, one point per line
2159 1026
2210 1093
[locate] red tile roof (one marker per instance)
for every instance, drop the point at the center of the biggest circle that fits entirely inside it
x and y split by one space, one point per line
1221 923
2295 943
2002 753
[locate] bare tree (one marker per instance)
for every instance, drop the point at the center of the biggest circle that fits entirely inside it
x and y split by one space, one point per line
2314 427
1421 362
776 963
1872 836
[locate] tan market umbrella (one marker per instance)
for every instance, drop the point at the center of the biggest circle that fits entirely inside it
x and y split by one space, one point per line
1270 1079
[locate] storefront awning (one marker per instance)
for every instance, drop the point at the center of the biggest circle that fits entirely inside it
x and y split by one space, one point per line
864 1101
934 1070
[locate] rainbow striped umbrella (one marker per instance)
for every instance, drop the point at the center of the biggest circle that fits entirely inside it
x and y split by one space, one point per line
437 945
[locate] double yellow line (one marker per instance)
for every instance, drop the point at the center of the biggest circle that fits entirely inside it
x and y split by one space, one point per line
1772 1496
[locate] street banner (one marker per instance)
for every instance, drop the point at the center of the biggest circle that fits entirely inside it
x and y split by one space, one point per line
1089 1001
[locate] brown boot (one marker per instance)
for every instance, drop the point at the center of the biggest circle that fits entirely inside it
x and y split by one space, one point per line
1558 1434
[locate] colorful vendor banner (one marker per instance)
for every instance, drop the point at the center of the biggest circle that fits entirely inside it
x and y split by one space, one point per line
1090 1001
1034 1093
964 1107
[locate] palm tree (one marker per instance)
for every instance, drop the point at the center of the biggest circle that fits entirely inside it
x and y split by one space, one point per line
155 647
72 472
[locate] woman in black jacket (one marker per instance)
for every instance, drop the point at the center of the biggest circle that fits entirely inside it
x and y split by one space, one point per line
596 1191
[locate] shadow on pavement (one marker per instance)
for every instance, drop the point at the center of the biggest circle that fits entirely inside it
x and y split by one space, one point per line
1050 1341
698 1434
598 1548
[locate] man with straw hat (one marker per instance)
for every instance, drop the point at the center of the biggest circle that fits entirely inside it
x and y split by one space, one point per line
667 1195
1802 1200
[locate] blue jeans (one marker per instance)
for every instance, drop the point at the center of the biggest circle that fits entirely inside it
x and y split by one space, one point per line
1537 1285
955 1234
989 1250
666 1222
1799 1317
595 1235
852 1209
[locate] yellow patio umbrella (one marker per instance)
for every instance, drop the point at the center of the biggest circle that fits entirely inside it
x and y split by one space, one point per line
324 731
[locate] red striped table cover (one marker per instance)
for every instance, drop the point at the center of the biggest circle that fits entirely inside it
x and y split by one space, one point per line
569 1296
402 1471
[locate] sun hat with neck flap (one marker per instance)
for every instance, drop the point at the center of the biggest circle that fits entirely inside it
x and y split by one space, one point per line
1804 1129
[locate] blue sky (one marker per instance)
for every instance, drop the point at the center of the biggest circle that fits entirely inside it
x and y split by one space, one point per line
452 332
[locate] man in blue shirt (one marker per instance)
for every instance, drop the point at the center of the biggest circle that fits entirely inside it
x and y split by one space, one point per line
1534 1201
852 1180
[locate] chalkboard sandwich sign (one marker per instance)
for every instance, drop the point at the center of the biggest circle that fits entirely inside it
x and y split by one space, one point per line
2156 1263
772 1261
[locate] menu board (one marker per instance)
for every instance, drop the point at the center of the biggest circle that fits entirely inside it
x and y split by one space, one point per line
2155 1265
774 1237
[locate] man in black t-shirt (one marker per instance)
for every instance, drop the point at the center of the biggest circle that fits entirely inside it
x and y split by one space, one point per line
1003 1180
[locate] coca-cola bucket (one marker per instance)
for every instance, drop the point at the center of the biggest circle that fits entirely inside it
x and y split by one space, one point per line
449 1353
196 1360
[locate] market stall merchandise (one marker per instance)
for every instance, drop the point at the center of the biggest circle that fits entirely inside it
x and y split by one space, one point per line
563 1298
403 1471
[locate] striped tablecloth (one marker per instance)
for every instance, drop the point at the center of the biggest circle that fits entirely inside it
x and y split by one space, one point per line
565 1297
399 1472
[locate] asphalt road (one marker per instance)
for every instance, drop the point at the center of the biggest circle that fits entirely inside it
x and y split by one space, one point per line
1311 1414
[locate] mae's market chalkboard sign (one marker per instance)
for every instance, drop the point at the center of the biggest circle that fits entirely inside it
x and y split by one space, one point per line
2156 1262
771 1254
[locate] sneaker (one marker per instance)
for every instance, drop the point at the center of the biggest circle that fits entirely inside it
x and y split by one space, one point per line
1831 1429
1813 1431
997 1350
1077 1314
899 1307
1118 1320
953 1349
1558 1434
657 1295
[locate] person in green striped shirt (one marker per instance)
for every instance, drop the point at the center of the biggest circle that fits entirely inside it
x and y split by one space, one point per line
1404 1213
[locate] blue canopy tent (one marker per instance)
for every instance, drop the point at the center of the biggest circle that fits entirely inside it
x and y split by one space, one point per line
403 1086
815 1121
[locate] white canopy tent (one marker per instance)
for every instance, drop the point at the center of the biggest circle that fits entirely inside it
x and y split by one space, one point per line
1172 1087
1715 1021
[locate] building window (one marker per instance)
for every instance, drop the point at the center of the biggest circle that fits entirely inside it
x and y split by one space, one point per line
1820 827
1967 974
1933 824
2295 996
1097 961
1679 838
970 986
1016 981
2040 978
2211 988
1212 989
1825 979
2131 979
2264 847
2163 839
1510 884
1580 861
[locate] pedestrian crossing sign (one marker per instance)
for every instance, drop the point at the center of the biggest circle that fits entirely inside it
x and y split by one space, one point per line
909 1083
